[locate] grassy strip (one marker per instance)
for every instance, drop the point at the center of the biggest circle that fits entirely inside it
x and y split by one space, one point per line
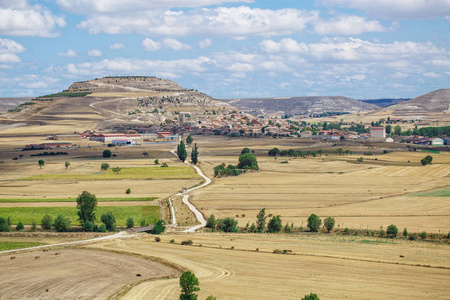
430 151
140 173
74 200
445 192
17 245
27 214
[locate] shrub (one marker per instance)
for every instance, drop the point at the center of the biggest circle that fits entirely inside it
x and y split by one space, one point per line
427 160
104 166
109 220
277 251
413 237
187 242
248 161
101 228
143 223
157 239
311 297
19 226
47 222
62 224
287 228
329 223
164 165
252 228
274 224
128 191
405 232
130 222
156 161
33 225
4 225
227 225
382 232
107 153
159 228
88 226
172 241
211 222
314 223
423 235
346 231
392 230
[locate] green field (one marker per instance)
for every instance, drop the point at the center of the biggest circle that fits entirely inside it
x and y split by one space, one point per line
445 192
140 173
26 215
74 200
17 245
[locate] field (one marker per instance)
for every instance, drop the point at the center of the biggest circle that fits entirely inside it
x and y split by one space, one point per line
17 245
73 200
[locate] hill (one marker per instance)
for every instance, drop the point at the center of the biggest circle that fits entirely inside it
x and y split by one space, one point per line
385 102
302 105
11 103
112 101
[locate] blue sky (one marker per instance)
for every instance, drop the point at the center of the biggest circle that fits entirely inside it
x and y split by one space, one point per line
230 49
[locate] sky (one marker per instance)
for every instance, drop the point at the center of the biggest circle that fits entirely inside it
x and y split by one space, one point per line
364 49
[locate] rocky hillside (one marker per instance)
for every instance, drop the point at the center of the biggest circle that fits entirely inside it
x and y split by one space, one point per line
303 105
11 103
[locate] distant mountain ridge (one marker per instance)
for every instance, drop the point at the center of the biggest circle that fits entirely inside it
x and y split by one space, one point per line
303 105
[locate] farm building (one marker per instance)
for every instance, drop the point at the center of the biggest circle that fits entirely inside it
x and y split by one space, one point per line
377 132
109 137
123 142
437 142
389 140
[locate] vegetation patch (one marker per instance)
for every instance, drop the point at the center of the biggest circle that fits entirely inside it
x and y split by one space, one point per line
445 192
4 246
74 199
29 214
141 173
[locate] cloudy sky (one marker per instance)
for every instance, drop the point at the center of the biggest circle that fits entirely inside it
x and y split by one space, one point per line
230 48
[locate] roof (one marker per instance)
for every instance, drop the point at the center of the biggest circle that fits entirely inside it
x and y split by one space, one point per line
377 128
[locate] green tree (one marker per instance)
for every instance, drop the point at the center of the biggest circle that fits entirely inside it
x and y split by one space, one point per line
427 160
274 152
194 154
397 130
405 232
61 223
261 220
275 225
109 220
116 170
314 223
227 225
41 163
245 150
181 151
128 191
392 230
86 205
388 129
156 161
19 226
329 223
46 222
164 165
211 222
159 228
189 139
104 166
311 297
248 161
211 298
88 226
130 222
4 225
189 285
107 153
67 164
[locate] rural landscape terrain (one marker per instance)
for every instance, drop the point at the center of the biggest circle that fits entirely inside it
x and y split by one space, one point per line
259 198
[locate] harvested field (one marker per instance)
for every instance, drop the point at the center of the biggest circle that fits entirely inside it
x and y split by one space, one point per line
333 266
74 274
128 199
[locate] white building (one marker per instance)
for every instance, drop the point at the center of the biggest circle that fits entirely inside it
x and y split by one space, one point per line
389 140
437 142
377 132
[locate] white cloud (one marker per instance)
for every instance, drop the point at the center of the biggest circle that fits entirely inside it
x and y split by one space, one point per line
94 52
19 18
205 43
119 6
284 85
431 75
347 25
69 53
398 9
237 22
117 46
151 45
175 45
8 51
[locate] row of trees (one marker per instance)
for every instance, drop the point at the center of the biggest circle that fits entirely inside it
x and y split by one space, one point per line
182 153
247 161
294 153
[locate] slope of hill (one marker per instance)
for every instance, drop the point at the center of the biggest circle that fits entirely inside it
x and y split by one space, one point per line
11 103
303 105
112 101
385 102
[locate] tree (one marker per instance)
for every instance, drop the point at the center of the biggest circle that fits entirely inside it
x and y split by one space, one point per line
427 160
156 161
189 139
275 225
106 153
4 225
211 222
311 297
181 151
245 150
194 154
261 220
19 226
189 285
104 166
47 222
405 232
159 228
397 130
130 222
109 220
61 223
67 164
41 163
388 129
329 223
314 223
88 226
227 225
274 152
248 161
128 191
86 205
392 230
164 165
116 170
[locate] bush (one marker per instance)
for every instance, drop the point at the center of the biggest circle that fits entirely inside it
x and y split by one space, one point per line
109 220
130 222
33 225
392 230
88 226
382 232
128 191
159 228
172 241
62 224
156 161
104 166
248 161
157 239
187 242
311 297
47 222
329 223
274 224
19 226
164 165
227 225
314 223
413 237
4 225
346 231
423 235
101 228
211 222
405 232
427 160
107 153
